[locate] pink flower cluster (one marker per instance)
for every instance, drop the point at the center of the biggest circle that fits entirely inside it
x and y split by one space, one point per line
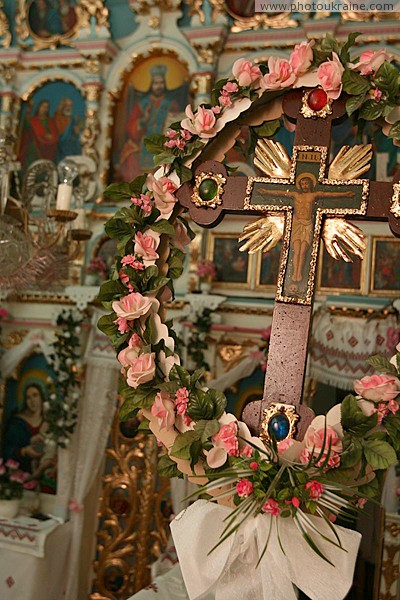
271 507
244 488
168 411
315 489
144 202
177 139
228 89
206 268
97 265
202 122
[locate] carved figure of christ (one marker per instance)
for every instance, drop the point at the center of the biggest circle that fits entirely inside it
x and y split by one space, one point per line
302 223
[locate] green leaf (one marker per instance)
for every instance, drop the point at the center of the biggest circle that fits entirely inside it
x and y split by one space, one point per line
184 173
394 132
150 331
168 468
378 454
118 191
219 402
371 110
163 226
195 451
352 452
344 53
149 272
118 229
164 158
392 426
354 420
354 102
137 184
321 56
111 290
206 429
200 406
156 284
387 79
369 490
329 44
175 267
182 444
380 363
268 128
171 387
155 143
179 373
354 83
196 377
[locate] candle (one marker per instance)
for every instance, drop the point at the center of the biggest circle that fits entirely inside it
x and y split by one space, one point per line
80 221
64 194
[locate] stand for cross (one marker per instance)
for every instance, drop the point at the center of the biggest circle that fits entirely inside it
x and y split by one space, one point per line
306 198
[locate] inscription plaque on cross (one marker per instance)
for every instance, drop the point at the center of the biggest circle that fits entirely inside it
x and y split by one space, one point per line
307 196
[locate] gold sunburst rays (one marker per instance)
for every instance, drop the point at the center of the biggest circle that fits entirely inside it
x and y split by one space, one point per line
272 159
351 162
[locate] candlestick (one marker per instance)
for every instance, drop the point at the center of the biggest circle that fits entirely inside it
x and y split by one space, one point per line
64 194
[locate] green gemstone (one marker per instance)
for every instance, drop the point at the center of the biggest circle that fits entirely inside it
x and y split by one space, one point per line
208 189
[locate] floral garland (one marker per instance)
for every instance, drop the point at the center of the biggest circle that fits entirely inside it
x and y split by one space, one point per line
61 408
345 453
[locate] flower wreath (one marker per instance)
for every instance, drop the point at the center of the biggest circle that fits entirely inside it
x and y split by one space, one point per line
344 454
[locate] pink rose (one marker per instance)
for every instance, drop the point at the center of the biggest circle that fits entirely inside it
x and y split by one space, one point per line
231 87
280 74
141 370
314 444
18 477
284 445
361 502
133 306
301 58
315 488
186 135
163 190
370 61
244 488
377 387
146 246
12 464
246 73
202 123
181 238
294 501
225 443
253 466
129 354
163 410
225 101
393 406
271 507
144 202
330 76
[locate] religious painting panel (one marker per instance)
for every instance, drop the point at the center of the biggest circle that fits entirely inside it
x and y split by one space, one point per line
48 22
52 121
155 94
385 272
233 267
25 424
339 277
267 269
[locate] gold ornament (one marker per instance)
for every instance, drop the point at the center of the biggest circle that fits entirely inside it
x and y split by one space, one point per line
395 204
213 202
341 237
263 234
272 159
351 162
277 408
310 113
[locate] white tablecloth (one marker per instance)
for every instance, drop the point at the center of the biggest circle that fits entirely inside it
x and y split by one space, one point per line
26 577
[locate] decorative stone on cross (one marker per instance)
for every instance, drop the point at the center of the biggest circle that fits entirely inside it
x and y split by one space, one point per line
309 196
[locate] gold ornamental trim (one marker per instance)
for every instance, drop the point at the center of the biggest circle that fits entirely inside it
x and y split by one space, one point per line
278 408
309 113
395 203
219 179
312 152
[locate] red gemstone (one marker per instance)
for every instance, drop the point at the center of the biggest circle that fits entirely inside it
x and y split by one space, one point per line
317 99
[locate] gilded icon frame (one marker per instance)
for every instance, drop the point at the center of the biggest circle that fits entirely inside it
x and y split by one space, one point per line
335 290
373 290
210 254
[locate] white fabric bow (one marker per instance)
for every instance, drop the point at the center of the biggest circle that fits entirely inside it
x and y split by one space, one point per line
230 570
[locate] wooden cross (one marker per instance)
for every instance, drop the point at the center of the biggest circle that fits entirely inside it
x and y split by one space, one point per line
306 198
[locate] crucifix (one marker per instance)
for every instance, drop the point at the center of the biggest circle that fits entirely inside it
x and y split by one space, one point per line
301 199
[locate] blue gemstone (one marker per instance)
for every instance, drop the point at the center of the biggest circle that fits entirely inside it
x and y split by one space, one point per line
279 427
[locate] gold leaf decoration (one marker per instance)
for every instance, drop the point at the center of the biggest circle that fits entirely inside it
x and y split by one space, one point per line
272 159
351 162
341 239
263 234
